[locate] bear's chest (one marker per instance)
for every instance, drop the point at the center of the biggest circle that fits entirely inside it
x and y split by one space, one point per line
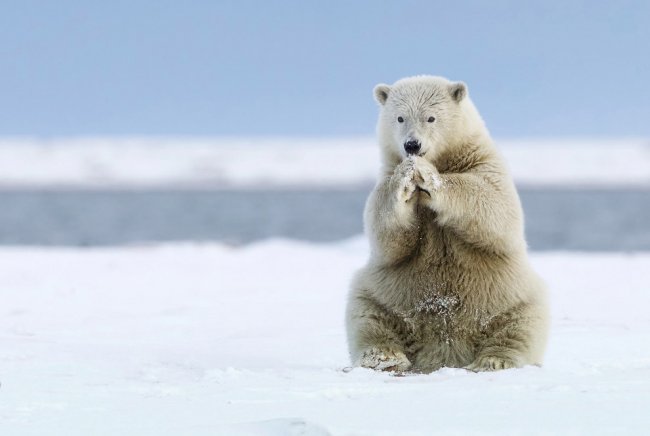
435 245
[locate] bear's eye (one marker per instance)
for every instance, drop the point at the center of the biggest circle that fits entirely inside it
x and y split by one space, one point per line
400 119
431 120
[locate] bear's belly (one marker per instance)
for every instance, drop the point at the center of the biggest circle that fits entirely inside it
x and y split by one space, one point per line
444 273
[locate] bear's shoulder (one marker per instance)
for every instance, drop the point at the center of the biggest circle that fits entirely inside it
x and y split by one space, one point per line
472 155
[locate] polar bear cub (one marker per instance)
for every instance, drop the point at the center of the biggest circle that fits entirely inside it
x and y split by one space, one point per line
448 282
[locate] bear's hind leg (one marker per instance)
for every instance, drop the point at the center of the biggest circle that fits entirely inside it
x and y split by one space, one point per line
515 338
373 336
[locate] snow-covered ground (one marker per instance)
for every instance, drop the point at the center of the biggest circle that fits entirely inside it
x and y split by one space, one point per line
263 163
214 340
217 340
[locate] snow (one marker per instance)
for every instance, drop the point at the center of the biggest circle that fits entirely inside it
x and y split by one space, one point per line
149 162
208 339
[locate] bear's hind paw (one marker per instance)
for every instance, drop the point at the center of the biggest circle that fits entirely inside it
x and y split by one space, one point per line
384 360
491 363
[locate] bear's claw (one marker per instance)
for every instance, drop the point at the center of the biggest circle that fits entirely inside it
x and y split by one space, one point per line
490 363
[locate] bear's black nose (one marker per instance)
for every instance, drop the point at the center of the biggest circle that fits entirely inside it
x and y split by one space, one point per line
412 146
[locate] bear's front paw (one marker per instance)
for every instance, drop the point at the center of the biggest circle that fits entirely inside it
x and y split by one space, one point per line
491 363
427 176
403 180
384 360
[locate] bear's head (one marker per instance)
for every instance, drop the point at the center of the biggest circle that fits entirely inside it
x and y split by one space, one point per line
423 115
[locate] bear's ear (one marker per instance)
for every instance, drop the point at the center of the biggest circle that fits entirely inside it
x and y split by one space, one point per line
381 93
458 91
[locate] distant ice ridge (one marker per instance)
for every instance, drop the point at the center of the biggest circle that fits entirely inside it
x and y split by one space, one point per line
252 163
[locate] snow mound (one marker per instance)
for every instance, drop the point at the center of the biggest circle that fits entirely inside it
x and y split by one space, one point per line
210 339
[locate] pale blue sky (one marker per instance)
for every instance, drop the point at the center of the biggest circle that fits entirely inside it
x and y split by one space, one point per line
307 68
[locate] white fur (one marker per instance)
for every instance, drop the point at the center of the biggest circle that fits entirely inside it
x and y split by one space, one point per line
448 281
